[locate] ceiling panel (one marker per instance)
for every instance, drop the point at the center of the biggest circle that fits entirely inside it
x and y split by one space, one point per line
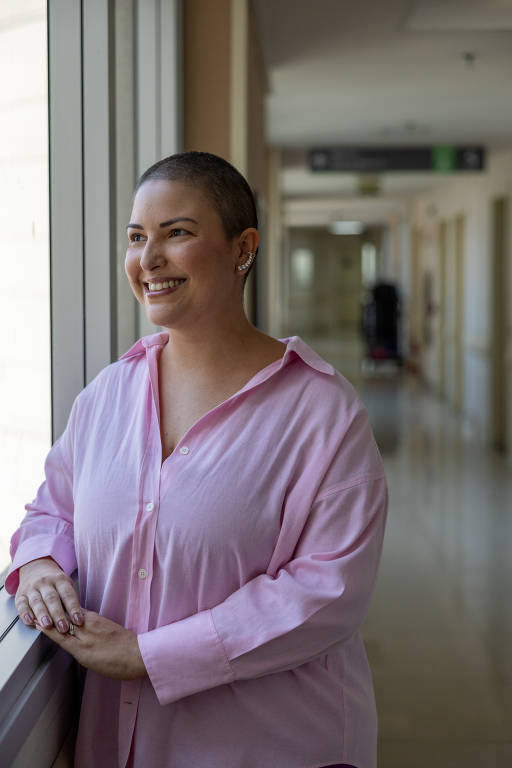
344 72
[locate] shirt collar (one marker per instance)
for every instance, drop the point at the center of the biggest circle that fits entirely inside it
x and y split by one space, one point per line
140 346
295 347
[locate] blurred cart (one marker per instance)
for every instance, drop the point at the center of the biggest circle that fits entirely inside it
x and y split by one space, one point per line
381 323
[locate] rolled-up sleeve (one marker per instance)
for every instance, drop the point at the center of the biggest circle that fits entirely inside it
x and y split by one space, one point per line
275 623
47 528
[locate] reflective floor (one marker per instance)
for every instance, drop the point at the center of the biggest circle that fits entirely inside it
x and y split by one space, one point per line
439 631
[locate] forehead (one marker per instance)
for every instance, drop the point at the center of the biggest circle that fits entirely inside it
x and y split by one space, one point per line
160 194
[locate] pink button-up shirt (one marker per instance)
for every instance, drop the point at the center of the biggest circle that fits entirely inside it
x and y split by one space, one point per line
245 564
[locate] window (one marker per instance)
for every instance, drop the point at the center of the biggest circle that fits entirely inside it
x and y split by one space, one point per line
112 112
25 416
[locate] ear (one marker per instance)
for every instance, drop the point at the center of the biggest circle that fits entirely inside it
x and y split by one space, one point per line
246 243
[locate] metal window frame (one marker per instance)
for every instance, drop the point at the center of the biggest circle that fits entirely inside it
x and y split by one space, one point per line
67 249
158 93
34 672
99 185
85 195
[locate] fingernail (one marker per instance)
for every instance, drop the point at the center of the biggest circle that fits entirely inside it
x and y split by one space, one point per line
62 625
77 618
46 622
27 618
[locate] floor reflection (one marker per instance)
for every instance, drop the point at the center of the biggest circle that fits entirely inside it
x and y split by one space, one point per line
439 630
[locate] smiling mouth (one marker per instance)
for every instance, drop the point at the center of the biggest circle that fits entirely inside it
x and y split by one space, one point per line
163 286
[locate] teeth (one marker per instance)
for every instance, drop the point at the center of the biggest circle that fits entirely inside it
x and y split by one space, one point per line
165 284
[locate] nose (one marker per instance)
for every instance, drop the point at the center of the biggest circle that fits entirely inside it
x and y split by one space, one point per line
151 257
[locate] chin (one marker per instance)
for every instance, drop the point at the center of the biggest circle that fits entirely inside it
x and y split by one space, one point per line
156 319
164 318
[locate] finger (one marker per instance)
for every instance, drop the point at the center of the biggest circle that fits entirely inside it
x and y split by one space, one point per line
24 611
52 599
39 608
70 601
53 633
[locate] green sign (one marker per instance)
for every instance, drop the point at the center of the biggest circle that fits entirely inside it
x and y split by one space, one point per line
443 158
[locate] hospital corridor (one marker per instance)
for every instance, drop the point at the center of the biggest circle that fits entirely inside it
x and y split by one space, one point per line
376 141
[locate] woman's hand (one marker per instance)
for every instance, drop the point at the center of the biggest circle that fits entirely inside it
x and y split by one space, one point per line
44 595
103 646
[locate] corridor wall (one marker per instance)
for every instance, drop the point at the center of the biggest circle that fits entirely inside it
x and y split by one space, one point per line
224 86
467 198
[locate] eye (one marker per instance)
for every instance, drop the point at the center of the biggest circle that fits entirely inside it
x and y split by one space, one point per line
134 236
175 232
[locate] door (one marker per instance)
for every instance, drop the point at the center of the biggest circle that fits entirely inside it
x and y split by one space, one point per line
459 311
499 284
442 308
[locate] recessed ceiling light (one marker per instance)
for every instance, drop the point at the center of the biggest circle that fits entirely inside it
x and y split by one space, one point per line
346 227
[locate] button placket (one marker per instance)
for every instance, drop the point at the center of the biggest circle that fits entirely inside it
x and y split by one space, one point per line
144 533
143 549
129 696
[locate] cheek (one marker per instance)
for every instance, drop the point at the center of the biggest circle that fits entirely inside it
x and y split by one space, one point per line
206 259
131 265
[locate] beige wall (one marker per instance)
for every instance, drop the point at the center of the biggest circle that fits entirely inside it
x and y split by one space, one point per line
256 85
211 114
206 87
470 200
224 98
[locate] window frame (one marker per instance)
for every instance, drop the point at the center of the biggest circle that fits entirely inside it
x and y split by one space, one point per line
95 79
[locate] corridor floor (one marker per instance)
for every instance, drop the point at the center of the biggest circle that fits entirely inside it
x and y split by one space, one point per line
439 631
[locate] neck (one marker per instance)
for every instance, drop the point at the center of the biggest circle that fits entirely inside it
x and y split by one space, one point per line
217 345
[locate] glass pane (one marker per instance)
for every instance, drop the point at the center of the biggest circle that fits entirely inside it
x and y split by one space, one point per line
25 395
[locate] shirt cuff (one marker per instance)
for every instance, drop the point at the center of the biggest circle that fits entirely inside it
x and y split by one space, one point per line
62 550
185 657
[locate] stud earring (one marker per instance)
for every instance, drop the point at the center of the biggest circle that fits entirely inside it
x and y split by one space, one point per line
240 267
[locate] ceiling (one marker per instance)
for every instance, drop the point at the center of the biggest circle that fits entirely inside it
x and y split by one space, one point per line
383 72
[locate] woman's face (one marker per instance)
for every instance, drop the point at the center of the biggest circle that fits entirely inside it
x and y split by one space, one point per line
176 234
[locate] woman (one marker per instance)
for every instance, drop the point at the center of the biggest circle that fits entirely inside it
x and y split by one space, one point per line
224 501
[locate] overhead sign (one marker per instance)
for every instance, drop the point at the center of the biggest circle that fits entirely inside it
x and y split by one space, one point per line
442 158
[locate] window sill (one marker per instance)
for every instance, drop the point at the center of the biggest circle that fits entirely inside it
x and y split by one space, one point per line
33 671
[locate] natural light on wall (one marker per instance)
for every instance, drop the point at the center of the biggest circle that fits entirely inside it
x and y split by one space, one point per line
25 416
369 264
303 267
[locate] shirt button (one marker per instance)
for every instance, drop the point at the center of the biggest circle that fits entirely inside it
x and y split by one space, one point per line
142 573
150 506
184 449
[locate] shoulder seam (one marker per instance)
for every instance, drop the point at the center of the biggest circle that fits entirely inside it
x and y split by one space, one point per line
347 484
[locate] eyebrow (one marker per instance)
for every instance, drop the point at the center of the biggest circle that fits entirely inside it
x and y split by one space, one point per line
164 223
